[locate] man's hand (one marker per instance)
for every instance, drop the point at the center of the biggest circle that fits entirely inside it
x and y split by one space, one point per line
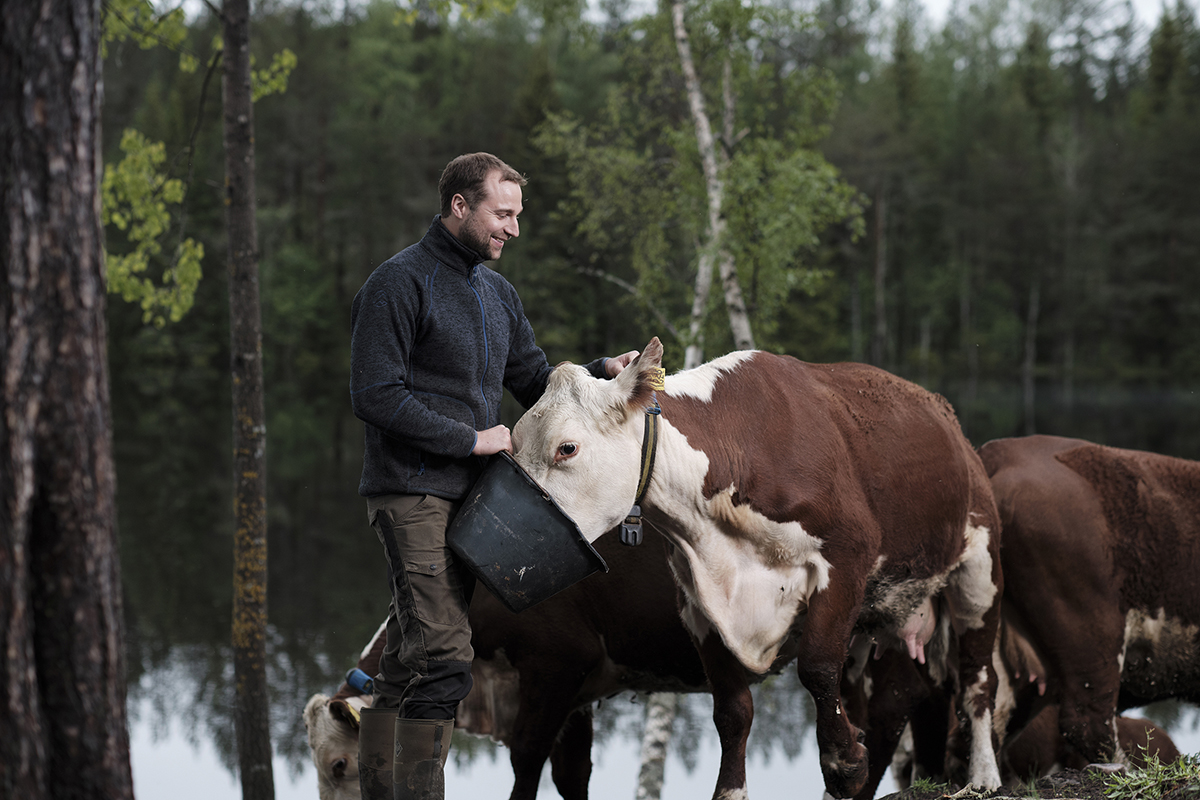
614 366
491 441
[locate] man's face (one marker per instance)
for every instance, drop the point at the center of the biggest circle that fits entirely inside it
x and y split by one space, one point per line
493 221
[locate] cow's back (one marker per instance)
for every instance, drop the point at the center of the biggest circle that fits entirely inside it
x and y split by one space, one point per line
827 444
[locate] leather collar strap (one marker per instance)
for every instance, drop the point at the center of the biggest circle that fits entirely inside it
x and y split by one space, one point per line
631 528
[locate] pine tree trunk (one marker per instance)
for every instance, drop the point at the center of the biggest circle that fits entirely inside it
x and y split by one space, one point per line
63 731
251 715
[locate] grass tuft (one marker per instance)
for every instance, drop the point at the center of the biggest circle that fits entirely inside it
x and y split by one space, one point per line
1155 779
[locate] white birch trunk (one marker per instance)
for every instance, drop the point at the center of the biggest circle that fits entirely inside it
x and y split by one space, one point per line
739 319
711 251
661 709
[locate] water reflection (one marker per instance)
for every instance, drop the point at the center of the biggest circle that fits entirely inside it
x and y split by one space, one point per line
327 584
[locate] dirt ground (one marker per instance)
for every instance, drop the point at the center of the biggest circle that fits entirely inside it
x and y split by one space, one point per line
1066 785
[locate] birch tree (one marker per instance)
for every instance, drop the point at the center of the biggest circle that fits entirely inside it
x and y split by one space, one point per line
664 197
714 164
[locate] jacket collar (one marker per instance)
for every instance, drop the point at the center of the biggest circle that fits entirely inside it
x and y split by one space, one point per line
448 250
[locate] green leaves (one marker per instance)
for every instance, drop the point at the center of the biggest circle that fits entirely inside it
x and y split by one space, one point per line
137 21
136 196
273 79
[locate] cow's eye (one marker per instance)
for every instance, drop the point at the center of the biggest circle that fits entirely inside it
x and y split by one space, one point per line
565 451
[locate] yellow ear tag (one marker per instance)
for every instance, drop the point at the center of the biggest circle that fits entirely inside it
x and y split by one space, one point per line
658 378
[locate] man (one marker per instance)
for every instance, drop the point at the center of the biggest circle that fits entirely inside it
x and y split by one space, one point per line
436 337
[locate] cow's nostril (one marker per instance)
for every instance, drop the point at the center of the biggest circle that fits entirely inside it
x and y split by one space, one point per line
339 768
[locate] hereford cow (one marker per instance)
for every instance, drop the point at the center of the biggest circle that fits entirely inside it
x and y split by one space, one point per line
1102 550
801 500
897 691
537 673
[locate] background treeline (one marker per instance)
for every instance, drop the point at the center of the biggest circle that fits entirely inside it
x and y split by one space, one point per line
1027 182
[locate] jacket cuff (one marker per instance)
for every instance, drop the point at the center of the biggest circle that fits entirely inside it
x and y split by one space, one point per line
597 368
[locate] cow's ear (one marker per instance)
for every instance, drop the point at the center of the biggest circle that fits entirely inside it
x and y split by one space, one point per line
643 376
340 710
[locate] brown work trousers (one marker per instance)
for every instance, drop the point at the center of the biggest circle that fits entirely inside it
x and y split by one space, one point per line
425 670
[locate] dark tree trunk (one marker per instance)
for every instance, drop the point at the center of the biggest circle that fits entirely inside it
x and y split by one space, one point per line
62 673
252 716
1030 363
879 339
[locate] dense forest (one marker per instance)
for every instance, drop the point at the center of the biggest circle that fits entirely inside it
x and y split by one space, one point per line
1011 195
1003 206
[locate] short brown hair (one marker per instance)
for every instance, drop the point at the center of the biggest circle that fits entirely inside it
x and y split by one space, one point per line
467 174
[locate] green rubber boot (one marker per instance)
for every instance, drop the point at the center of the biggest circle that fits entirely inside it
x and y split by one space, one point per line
376 746
422 746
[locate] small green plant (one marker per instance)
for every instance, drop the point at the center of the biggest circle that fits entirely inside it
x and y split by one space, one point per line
1154 780
927 785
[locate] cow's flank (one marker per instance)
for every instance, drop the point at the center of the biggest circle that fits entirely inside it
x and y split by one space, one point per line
1120 627
801 499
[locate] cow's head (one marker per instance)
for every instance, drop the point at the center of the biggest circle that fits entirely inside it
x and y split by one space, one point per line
582 440
333 742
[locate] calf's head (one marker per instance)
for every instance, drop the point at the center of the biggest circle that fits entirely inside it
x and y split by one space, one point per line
582 440
333 742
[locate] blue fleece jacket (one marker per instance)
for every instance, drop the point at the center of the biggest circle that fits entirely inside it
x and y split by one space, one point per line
436 336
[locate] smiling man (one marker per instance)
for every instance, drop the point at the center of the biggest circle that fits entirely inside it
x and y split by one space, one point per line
436 337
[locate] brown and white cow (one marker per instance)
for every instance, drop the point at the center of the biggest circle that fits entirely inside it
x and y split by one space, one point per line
897 692
537 673
1101 553
801 500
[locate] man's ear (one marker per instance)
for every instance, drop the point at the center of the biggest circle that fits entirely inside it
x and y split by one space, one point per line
642 377
459 207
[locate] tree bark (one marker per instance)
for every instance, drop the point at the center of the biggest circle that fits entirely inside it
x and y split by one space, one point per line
879 340
661 708
711 249
1027 368
251 716
63 731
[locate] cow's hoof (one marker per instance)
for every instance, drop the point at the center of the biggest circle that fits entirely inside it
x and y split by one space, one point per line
845 777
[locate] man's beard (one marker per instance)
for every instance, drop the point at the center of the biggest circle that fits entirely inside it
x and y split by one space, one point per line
475 237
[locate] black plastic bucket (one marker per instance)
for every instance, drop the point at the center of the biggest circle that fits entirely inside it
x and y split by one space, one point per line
516 539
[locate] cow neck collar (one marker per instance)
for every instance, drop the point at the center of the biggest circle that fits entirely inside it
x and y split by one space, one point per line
631 528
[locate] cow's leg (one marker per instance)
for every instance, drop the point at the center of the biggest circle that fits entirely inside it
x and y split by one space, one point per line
973 594
733 713
897 691
1087 713
571 758
823 648
930 730
544 706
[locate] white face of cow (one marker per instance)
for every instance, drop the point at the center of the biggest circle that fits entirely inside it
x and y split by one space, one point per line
582 440
334 746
